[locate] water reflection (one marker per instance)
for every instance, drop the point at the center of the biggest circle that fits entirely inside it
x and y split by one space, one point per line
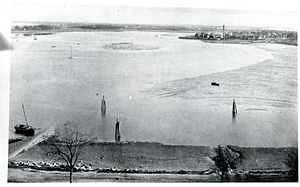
233 118
103 127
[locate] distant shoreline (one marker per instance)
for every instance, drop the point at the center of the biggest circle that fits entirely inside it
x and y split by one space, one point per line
220 41
240 41
53 31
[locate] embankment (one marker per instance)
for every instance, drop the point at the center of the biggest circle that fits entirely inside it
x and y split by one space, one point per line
19 146
138 159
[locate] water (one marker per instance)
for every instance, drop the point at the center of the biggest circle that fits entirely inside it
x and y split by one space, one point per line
55 88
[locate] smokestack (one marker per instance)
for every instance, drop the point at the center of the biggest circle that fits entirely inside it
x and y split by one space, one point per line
223 32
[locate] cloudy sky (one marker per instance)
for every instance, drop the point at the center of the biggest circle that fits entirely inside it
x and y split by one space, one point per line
159 12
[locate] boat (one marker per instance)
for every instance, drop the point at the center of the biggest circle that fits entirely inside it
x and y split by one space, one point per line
24 129
214 84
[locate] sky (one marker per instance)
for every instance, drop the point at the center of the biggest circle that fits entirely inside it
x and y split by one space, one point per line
177 12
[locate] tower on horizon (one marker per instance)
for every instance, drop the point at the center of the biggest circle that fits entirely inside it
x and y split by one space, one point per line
223 32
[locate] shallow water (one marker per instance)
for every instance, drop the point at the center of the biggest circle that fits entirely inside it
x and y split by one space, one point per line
55 88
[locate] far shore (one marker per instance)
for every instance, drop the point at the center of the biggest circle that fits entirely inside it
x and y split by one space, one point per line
53 31
227 41
240 41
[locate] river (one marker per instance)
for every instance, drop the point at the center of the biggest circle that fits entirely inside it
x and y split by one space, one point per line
135 81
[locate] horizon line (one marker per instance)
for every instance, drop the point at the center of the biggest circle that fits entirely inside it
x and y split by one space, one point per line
158 24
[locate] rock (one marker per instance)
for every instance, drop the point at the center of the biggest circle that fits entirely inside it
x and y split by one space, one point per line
47 164
55 164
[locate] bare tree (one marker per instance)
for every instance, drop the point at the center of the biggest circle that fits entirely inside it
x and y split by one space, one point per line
68 143
225 161
292 163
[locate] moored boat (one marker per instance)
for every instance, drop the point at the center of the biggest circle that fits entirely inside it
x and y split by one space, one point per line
24 129
215 84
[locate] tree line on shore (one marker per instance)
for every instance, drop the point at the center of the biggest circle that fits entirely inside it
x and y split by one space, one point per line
35 27
231 31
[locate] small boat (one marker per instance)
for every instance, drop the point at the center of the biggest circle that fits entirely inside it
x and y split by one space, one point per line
214 84
24 129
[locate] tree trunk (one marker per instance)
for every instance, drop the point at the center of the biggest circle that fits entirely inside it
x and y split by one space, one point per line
71 174
222 177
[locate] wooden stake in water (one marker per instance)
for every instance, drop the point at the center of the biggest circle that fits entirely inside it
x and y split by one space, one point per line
117 132
103 106
234 109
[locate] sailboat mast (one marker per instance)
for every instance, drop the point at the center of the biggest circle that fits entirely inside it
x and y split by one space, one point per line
24 114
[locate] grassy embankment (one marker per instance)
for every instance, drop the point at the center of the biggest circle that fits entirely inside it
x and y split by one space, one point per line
256 164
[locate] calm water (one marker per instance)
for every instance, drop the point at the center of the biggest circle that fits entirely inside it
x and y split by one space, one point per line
55 88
